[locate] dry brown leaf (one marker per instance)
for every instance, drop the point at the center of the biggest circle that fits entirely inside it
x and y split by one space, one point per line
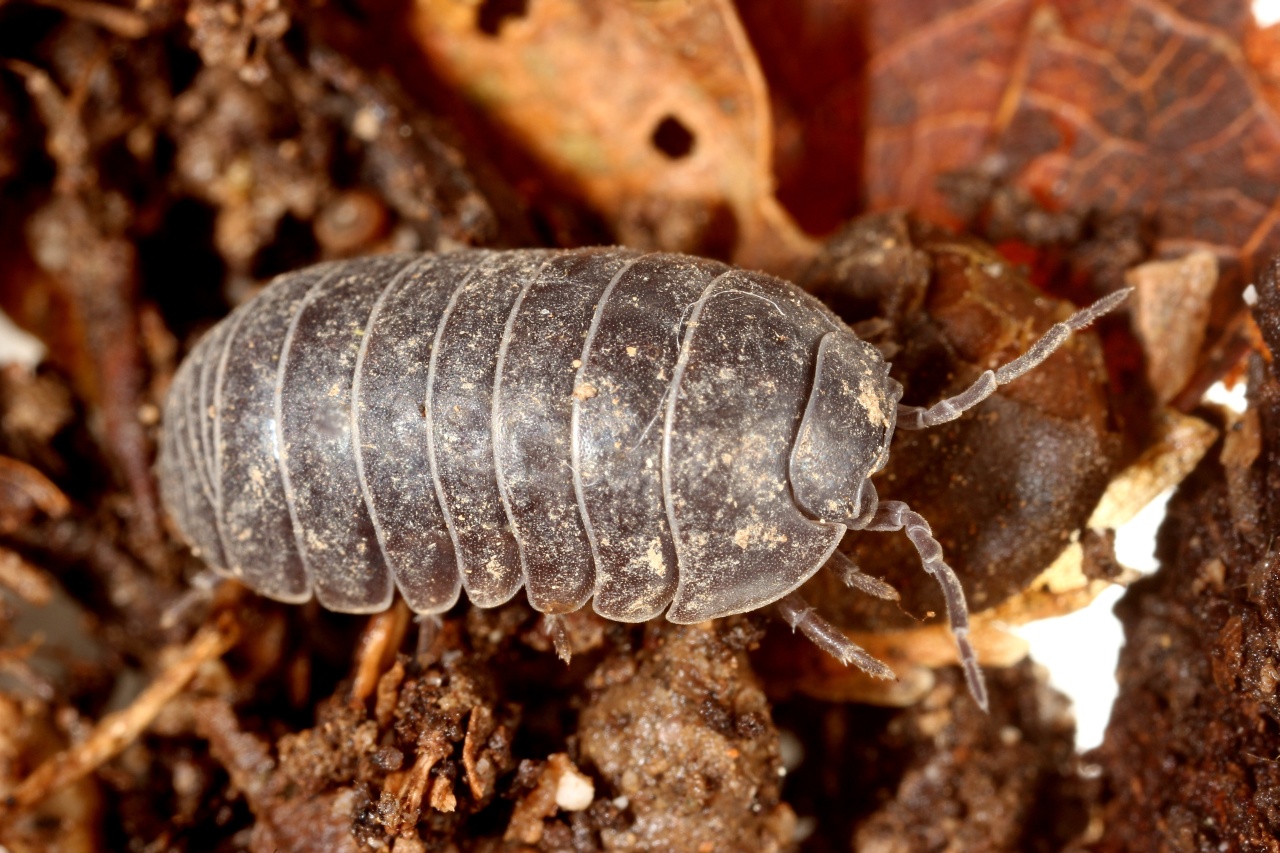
655 113
1163 115
817 95
1131 107
1149 108
937 74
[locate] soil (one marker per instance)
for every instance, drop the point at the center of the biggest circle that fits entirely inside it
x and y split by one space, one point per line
161 161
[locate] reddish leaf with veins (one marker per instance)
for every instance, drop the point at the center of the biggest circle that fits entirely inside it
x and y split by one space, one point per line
1141 107
1119 107
937 76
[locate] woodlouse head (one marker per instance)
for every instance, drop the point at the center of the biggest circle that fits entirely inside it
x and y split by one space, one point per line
845 433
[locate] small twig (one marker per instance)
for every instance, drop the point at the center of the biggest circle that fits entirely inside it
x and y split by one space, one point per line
116 731
15 661
27 581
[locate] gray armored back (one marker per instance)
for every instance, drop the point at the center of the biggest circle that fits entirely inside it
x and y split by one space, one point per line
648 433
591 425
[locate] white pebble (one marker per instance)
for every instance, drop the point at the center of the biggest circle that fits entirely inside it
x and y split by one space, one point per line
574 791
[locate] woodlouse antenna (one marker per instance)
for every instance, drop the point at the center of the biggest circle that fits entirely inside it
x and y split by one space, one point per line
799 615
896 515
921 417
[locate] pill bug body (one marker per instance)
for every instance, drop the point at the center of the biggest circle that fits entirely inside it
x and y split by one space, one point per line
648 433
596 426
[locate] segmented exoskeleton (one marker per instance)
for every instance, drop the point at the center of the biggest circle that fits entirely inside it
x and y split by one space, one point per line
644 432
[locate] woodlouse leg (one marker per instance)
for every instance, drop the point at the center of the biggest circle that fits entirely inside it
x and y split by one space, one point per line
199 595
854 578
798 614
919 417
896 515
554 626
429 625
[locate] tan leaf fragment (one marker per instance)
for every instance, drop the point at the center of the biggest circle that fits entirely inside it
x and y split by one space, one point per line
657 114
1170 314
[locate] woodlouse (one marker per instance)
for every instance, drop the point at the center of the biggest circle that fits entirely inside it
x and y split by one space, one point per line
646 432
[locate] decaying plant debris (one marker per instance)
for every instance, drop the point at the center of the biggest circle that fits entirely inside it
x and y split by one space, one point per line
160 160
1197 712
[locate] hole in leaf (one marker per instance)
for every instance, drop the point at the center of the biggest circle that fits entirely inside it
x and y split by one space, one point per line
494 13
672 138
